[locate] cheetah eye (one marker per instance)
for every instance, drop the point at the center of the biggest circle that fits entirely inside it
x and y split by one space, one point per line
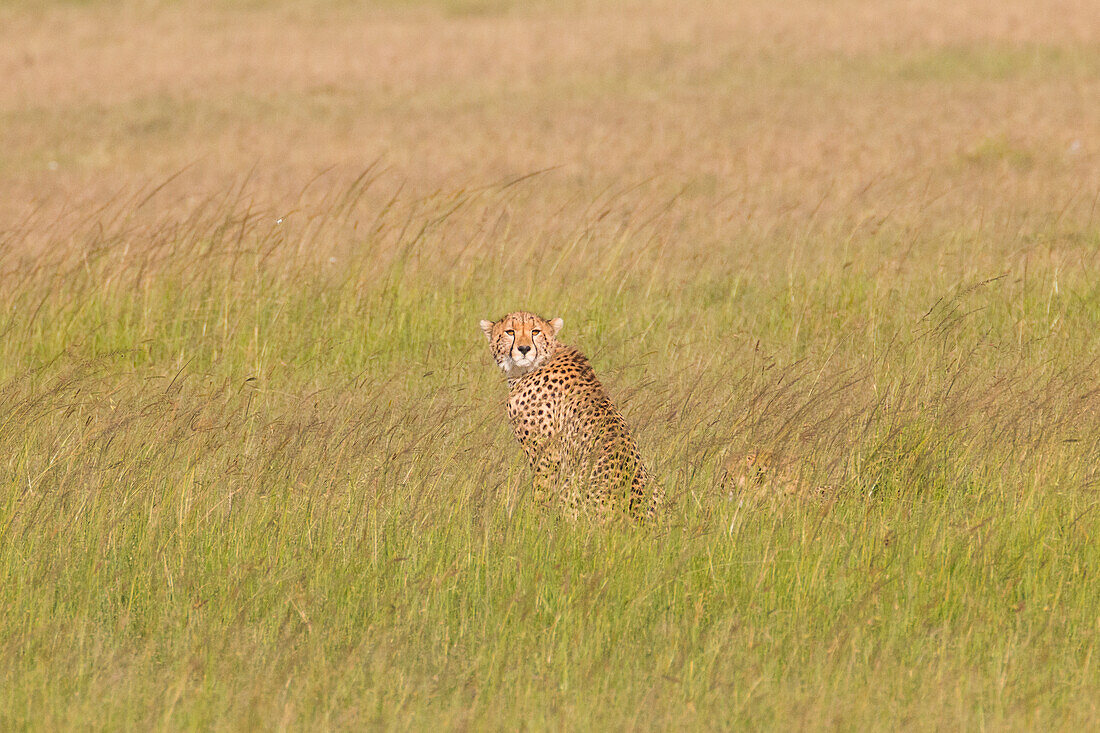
510 332
535 332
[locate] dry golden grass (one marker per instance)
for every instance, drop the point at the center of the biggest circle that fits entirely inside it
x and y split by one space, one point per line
938 117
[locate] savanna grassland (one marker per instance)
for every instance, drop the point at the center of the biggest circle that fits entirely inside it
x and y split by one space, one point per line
255 471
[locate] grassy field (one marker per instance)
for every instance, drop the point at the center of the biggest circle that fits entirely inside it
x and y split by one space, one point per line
255 471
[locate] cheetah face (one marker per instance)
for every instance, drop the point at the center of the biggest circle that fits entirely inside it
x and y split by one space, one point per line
521 342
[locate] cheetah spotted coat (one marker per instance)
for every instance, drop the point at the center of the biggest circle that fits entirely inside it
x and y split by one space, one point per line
578 444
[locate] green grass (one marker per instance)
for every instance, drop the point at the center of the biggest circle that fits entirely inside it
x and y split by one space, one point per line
245 486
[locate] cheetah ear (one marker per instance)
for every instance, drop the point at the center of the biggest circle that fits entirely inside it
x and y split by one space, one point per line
487 328
557 324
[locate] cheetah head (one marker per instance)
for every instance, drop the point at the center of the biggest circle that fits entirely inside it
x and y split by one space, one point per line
521 341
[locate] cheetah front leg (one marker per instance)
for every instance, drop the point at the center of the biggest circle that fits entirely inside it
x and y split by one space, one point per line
545 460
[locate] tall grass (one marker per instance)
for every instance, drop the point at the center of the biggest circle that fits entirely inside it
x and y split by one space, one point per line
257 473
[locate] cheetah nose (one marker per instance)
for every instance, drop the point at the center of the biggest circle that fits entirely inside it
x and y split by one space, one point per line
523 350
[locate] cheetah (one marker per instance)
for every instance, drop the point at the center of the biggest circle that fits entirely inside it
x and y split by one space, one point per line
579 446
763 473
